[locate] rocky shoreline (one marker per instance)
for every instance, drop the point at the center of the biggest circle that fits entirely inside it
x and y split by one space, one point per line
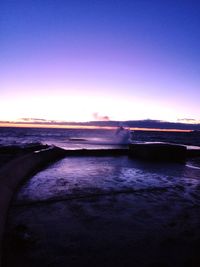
19 164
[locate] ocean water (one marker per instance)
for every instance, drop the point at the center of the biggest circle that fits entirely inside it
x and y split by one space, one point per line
65 138
90 138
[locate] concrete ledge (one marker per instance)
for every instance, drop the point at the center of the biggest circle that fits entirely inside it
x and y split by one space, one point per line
158 152
192 153
97 152
7 153
15 149
5 196
15 171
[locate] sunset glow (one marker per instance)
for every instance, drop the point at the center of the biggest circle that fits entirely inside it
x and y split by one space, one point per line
129 60
57 126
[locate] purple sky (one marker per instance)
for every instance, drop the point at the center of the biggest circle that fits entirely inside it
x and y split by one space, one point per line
129 60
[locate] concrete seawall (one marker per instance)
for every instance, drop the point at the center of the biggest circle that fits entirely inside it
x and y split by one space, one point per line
158 152
15 171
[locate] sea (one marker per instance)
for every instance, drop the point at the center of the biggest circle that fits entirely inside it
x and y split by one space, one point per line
90 138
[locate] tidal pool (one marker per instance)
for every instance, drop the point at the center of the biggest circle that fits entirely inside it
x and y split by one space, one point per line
83 176
106 211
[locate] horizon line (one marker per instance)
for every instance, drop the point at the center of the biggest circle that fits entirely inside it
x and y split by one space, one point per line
92 127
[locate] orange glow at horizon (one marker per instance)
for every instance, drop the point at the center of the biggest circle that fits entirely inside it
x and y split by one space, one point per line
92 127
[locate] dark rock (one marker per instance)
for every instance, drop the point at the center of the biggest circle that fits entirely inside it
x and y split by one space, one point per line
193 153
21 237
158 152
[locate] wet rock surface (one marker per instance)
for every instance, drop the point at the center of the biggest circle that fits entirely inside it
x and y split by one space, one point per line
106 212
108 231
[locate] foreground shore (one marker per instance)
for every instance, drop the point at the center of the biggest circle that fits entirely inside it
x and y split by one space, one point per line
107 223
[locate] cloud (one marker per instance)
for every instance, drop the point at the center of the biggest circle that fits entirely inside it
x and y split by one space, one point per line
32 120
189 120
98 117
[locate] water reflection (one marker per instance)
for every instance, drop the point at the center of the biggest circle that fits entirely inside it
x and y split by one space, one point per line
83 176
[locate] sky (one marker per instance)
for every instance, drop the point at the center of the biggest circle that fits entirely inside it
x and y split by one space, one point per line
83 60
